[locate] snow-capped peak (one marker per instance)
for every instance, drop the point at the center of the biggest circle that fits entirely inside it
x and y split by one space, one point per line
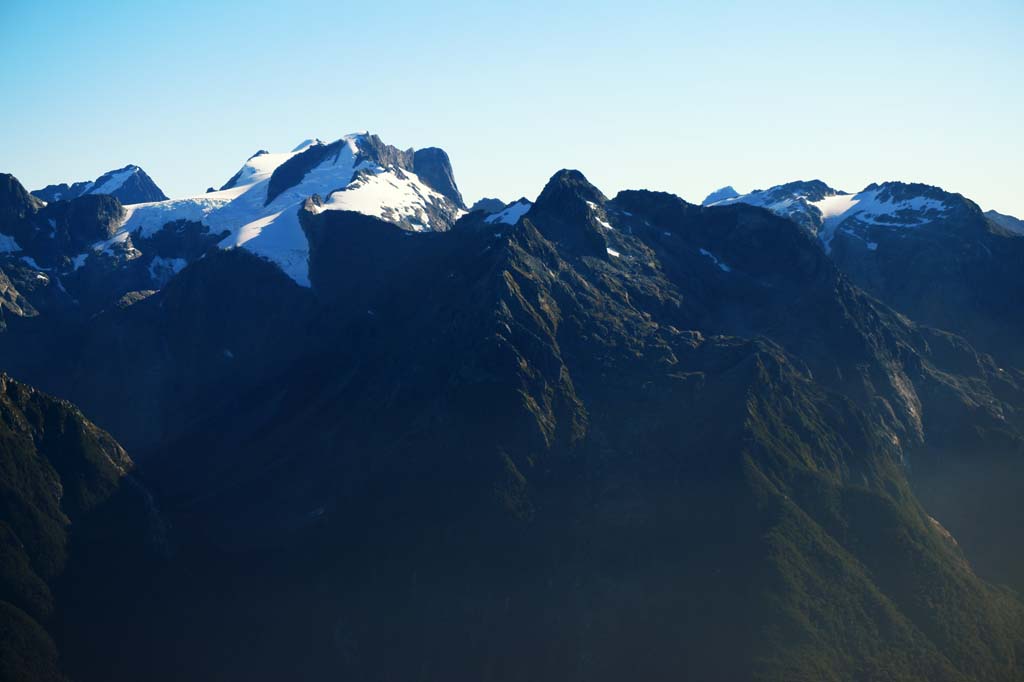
258 208
720 194
889 205
112 181
129 184
792 200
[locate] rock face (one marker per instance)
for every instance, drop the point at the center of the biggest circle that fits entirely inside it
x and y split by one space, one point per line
130 185
57 473
434 167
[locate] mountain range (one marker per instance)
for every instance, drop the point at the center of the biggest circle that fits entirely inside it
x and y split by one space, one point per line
930 254
335 424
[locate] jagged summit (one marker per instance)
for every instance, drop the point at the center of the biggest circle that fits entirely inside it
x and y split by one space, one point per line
568 190
569 211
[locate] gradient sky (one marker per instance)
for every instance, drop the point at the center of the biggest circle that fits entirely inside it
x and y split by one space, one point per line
636 95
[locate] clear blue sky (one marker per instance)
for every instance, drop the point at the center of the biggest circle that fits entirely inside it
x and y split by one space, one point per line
669 96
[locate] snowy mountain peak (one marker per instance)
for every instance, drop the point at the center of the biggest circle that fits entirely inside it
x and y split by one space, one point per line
131 185
720 194
257 209
792 200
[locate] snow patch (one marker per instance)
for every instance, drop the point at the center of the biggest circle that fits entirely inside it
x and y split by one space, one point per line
384 194
163 269
721 266
113 183
511 214
8 244
869 208
306 144
31 262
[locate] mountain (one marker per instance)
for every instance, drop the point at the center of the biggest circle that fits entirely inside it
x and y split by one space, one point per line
130 185
635 437
257 209
721 194
801 202
931 254
1007 222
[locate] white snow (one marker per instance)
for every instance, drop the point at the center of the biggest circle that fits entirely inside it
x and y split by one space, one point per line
511 214
869 208
721 266
113 183
162 269
151 217
106 246
306 144
8 244
837 205
872 246
613 253
597 215
383 194
79 260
